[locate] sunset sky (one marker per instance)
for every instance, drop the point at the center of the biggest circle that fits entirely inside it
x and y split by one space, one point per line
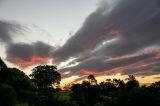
106 38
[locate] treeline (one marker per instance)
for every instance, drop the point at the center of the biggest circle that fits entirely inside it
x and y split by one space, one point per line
42 88
116 93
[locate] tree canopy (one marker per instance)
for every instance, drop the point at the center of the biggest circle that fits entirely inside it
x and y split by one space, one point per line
45 76
92 80
132 83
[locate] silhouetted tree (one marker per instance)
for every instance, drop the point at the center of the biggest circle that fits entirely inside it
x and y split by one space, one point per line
132 83
92 80
45 76
155 87
18 81
119 84
85 94
111 85
107 86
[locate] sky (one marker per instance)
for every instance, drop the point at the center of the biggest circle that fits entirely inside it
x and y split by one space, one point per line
106 38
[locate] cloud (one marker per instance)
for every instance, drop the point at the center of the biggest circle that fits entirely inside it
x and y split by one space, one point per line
90 34
22 54
130 19
98 66
111 34
8 30
25 55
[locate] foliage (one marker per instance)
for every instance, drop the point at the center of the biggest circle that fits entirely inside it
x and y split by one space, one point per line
18 81
140 96
85 94
92 80
44 98
64 95
111 85
7 95
132 83
45 76
155 87
119 99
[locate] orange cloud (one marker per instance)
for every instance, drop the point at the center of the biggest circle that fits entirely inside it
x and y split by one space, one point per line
115 32
32 61
157 55
86 72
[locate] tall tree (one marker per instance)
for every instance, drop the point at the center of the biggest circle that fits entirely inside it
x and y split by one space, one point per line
45 76
132 83
92 80
119 84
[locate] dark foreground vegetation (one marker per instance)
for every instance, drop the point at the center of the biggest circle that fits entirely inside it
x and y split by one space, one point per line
42 89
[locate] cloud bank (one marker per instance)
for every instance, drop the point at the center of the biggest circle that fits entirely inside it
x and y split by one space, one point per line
29 54
119 37
22 54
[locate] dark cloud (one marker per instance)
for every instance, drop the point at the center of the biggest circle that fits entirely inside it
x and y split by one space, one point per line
137 20
144 68
8 30
90 34
22 54
134 26
26 55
